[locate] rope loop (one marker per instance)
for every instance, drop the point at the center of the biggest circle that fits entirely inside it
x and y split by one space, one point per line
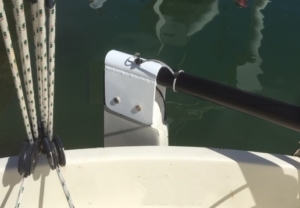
176 74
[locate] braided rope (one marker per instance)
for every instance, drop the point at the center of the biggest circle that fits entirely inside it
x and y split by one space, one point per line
51 65
65 188
19 40
43 60
35 27
26 63
21 193
15 73
14 68
38 11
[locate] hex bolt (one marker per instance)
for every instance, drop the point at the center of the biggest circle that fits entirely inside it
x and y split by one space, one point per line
138 108
117 99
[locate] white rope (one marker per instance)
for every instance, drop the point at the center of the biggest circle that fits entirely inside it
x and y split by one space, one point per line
15 73
21 193
51 68
43 60
51 65
38 12
65 188
14 69
26 62
35 27
49 93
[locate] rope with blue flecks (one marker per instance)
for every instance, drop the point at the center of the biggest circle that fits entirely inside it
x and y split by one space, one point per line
42 64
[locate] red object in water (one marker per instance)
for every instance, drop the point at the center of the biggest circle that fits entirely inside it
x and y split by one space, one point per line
241 3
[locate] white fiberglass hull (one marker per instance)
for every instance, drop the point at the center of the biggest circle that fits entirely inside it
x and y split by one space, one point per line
159 177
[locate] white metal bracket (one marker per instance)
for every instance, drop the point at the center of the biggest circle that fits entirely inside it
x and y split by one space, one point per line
130 88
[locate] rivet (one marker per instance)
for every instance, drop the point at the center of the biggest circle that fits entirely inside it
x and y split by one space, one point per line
138 108
117 100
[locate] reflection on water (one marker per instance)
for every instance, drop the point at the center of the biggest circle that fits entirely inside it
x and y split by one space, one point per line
96 4
241 3
179 20
247 73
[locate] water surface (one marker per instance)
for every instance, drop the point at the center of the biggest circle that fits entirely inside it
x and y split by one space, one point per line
254 48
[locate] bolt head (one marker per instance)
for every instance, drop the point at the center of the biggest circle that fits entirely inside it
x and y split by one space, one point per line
138 108
117 100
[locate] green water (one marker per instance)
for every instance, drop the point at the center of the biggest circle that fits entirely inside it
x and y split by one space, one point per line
256 48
